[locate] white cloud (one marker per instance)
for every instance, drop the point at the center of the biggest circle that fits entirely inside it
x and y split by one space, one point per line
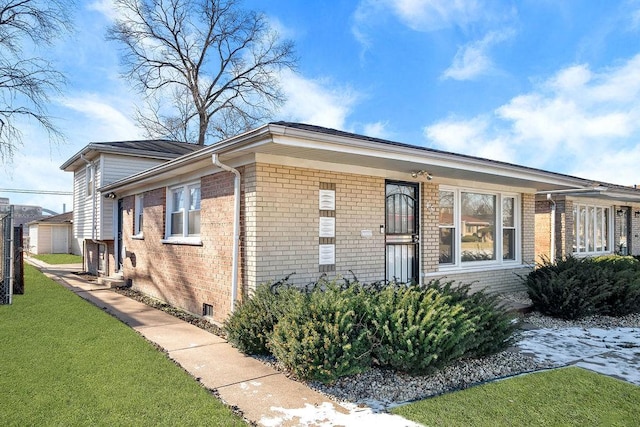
316 101
419 15
471 137
376 130
105 7
108 123
432 15
472 59
578 121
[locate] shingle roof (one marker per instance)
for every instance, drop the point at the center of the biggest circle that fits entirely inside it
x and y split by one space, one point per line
62 218
160 146
154 148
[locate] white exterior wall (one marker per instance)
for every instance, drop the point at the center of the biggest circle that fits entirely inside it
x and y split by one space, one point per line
33 239
81 206
41 239
113 168
108 168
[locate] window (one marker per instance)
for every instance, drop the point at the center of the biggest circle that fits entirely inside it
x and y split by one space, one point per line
447 227
591 229
508 228
89 175
138 215
477 227
183 209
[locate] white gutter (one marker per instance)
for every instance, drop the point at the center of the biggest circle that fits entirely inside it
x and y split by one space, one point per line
236 227
552 249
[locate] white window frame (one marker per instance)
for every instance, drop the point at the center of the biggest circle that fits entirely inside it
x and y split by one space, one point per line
609 227
498 262
138 217
89 180
184 237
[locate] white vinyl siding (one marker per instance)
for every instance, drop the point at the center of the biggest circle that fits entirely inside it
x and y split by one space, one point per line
81 206
113 168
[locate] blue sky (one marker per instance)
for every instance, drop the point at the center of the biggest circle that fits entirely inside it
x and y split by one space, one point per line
543 83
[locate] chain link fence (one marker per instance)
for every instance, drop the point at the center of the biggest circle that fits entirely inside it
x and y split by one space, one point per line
11 267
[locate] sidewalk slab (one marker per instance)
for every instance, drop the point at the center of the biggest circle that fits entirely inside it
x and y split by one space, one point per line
261 392
178 336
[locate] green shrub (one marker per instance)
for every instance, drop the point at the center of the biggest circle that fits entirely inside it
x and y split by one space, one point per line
571 288
324 335
250 326
494 325
418 329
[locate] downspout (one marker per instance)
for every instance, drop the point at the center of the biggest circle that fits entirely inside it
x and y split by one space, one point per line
236 227
552 249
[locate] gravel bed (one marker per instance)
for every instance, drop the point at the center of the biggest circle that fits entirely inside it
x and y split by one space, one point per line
384 388
538 320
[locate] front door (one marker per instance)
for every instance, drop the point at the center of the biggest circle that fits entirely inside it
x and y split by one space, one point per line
402 231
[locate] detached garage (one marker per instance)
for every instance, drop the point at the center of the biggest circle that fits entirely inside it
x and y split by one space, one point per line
53 235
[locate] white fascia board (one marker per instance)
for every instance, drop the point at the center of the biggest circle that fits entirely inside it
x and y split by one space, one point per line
299 138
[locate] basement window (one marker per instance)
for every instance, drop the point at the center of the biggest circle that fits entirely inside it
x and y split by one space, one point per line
207 310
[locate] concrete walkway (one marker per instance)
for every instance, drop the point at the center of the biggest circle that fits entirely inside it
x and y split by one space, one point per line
265 396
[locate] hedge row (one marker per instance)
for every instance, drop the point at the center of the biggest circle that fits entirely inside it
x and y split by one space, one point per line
572 288
335 328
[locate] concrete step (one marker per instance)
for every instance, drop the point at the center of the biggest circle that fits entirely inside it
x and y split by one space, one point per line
112 281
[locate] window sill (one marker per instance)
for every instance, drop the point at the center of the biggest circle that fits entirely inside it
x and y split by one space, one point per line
476 268
189 241
139 236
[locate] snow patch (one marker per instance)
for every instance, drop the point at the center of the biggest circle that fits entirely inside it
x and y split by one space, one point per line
614 352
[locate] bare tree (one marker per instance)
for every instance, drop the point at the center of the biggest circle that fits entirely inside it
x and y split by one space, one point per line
208 67
27 80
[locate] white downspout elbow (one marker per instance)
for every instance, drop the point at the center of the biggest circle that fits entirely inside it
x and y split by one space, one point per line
236 227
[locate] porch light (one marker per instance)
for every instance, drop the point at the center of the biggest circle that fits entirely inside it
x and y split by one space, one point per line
636 214
422 173
111 195
619 212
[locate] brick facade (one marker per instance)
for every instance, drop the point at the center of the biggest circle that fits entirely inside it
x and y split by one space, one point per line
564 227
187 276
280 237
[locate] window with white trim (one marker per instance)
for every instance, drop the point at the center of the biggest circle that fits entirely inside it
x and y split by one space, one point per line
138 218
183 207
591 229
478 227
89 175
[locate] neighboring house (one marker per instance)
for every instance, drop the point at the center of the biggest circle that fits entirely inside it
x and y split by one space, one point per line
96 165
597 220
204 229
53 235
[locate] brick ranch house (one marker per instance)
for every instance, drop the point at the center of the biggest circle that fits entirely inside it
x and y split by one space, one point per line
203 229
598 220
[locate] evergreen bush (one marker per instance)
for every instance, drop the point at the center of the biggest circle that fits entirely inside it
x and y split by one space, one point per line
494 325
572 288
325 335
250 326
418 329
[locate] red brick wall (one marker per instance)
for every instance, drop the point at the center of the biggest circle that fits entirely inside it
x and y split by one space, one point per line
91 257
185 275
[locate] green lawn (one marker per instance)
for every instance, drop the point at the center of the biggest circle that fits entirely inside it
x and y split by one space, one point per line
59 258
564 397
65 362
